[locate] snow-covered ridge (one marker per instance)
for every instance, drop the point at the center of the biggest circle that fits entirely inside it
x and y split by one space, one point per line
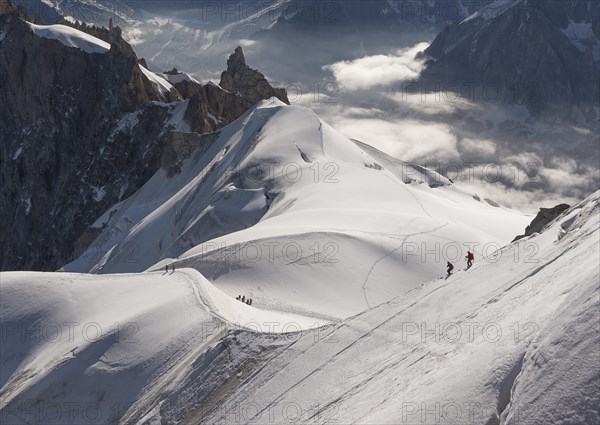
161 83
179 78
281 177
511 339
492 10
149 316
71 37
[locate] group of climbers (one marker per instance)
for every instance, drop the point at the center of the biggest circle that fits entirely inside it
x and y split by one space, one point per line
470 258
245 300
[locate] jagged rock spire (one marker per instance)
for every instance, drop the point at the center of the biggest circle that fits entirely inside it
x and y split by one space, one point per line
543 217
246 82
237 61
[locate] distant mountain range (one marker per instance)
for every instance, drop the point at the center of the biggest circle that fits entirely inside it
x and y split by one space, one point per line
544 54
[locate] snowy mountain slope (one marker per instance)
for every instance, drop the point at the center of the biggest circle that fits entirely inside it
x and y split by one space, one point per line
516 338
94 132
196 38
161 83
179 78
57 328
71 37
492 342
96 12
531 50
281 207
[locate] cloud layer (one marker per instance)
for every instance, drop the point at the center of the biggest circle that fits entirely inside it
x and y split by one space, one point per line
378 70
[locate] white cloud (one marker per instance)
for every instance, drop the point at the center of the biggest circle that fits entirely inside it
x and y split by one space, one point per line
484 148
378 70
526 201
566 181
247 43
409 140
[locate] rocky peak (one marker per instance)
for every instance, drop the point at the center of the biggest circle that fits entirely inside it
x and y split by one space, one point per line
113 34
542 219
248 83
83 131
236 61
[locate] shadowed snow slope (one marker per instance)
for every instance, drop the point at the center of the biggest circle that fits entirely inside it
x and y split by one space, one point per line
515 338
112 338
511 341
280 207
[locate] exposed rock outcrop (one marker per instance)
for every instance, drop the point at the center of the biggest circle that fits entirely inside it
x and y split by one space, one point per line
179 147
62 164
80 133
212 106
6 6
543 217
248 83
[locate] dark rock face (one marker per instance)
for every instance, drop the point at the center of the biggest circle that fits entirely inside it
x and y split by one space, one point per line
6 6
521 55
241 87
59 172
179 147
80 133
248 83
545 216
212 106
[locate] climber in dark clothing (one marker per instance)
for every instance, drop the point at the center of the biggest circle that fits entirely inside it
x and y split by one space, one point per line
470 259
450 268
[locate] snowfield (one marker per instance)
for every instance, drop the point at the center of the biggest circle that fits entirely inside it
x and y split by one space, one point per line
512 340
158 81
343 250
281 207
71 37
179 78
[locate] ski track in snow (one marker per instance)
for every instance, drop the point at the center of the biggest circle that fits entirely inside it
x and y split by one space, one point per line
368 204
392 252
357 303
340 352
